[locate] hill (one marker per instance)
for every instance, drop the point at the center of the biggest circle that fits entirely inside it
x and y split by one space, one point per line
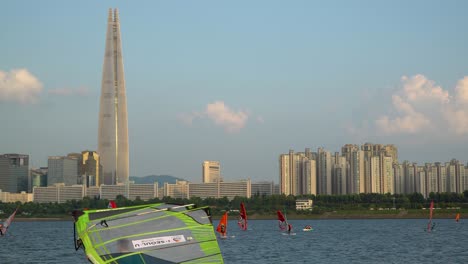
161 179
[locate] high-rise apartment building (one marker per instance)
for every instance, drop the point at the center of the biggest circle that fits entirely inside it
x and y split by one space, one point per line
14 169
211 171
113 127
324 172
298 173
355 158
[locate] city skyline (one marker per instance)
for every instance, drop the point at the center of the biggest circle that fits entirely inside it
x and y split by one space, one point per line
238 82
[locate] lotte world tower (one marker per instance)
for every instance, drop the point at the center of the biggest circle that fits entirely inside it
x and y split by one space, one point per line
113 125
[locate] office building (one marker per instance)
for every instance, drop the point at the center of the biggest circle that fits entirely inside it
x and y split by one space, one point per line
14 171
211 171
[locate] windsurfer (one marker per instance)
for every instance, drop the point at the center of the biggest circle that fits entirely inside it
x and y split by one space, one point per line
223 230
289 228
241 222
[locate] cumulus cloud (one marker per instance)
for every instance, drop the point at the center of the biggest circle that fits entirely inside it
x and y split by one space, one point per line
81 91
221 115
421 105
19 85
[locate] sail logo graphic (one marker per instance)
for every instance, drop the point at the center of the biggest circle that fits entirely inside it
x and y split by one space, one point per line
157 241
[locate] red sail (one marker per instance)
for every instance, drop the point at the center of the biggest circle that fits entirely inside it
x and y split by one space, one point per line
7 223
242 217
429 224
281 220
222 226
112 204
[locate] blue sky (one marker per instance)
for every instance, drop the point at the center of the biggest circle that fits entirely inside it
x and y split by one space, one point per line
240 82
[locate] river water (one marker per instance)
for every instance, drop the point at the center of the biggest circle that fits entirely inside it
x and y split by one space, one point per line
331 241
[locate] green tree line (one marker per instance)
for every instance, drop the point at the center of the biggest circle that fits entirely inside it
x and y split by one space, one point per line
260 204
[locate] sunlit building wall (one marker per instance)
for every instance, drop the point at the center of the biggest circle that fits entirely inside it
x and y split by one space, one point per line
211 171
375 174
110 192
421 183
93 192
324 172
90 168
398 178
310 175
204 190
339 176
180 189
143 191
387 170
461 178
69 193
355 158
441 177
59 193
285 177
23 197
233 189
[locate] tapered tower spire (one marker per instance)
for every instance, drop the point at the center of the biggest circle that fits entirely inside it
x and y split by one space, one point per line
113 125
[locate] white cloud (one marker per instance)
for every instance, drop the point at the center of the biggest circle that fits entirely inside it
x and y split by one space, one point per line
225 117
81 91
221 115
462 91
19 85
421 106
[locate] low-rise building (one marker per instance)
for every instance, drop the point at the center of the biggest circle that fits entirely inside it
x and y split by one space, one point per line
304 204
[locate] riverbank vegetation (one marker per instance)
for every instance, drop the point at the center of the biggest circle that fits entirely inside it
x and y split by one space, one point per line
264 206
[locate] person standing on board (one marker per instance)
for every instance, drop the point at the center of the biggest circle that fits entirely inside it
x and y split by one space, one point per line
289 228
223 230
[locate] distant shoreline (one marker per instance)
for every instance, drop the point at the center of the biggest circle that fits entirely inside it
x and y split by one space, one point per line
41 219
324 216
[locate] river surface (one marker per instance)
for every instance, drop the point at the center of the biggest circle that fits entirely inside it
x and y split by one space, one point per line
331 241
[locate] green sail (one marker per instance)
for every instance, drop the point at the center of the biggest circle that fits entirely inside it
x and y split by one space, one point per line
154 233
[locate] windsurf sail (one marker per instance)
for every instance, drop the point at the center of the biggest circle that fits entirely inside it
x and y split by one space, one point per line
242 217
457 217
152 233
429 224
112 204
6 224
282 223
222 226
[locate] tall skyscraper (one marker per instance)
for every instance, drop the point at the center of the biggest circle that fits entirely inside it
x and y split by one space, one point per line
113 127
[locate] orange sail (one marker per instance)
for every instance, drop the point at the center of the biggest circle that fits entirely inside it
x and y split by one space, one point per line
222 226
457 218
